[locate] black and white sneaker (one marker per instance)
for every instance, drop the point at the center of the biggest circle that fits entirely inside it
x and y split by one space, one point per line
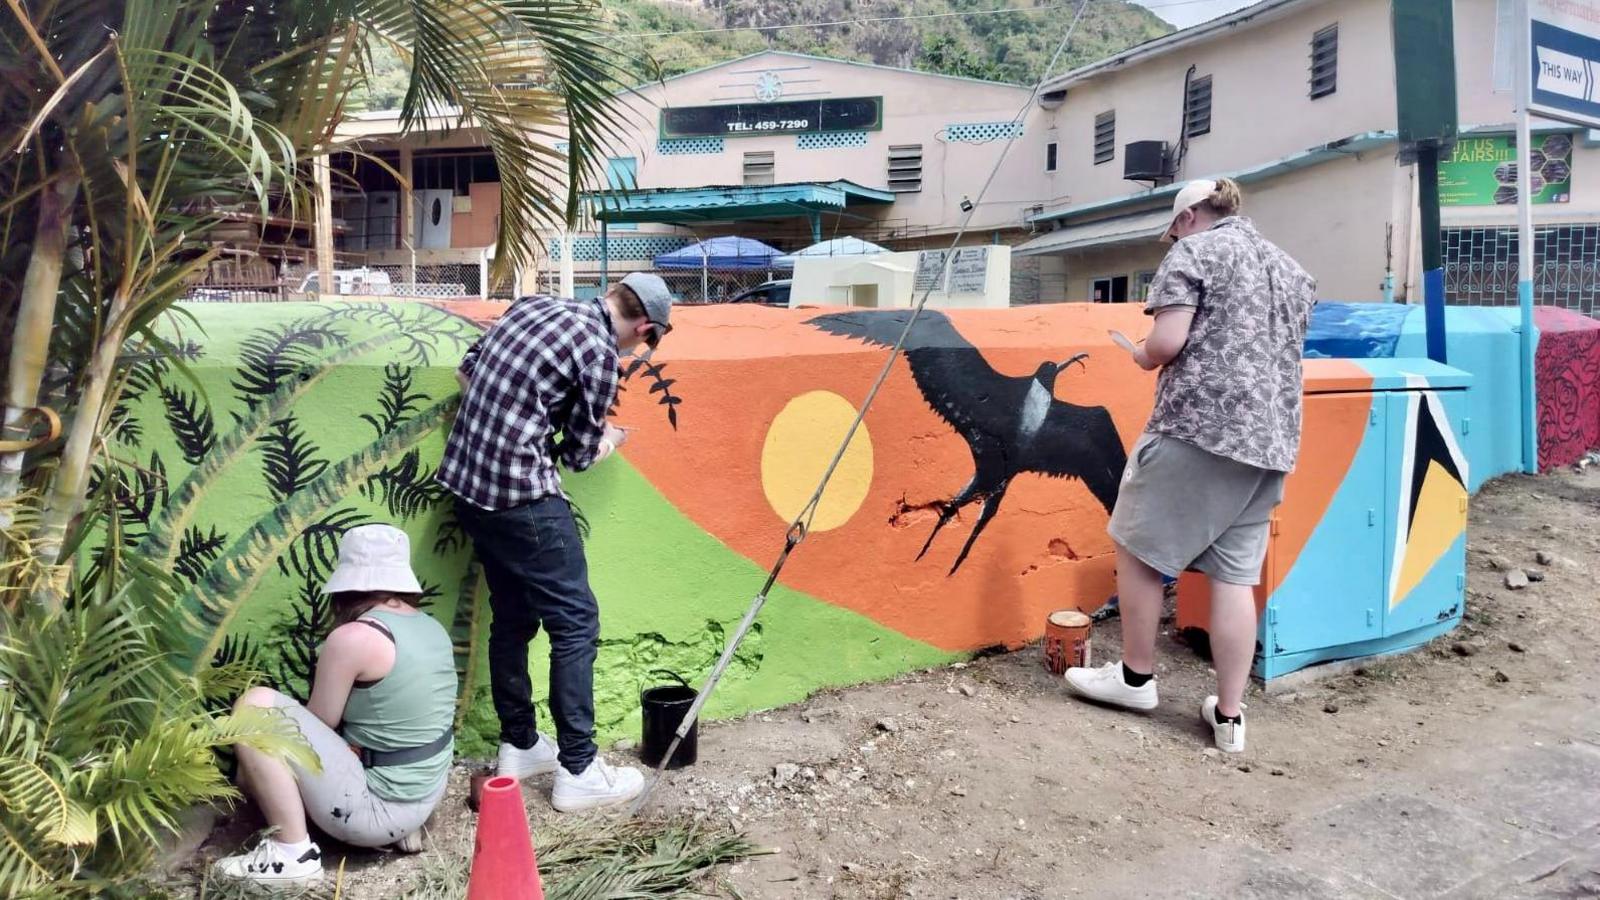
269 865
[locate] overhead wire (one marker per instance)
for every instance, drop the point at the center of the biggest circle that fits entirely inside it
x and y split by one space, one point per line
800 526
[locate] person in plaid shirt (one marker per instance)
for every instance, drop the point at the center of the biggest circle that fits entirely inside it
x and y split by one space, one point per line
535 391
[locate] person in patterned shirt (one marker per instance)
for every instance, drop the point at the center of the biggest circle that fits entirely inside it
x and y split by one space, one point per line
535 391
1201 483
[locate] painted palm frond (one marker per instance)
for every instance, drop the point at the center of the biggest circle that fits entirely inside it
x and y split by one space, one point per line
407 489
290 459
316 551
232 447
396 398
422 329
300 637
209 606
269 356
659 384
450 537
189 417
197 551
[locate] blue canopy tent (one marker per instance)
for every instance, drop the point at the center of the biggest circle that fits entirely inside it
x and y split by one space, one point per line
729 252
843 246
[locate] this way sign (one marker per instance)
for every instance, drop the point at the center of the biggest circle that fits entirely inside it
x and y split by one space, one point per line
1565 59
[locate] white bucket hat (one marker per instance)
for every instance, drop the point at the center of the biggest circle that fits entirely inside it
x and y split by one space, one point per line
374 558
1191 195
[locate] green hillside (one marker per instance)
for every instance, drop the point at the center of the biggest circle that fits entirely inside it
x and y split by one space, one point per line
1006 47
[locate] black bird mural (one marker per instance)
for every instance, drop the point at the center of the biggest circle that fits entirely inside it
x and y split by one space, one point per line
1012 425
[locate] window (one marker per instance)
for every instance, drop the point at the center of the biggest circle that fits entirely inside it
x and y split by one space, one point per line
454 172
905 167
1325 62
1145 280
1197 107
759 167
1050 157
1105 137
1113 289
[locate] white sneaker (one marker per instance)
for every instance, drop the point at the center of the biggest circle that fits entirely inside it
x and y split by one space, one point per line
599 785
271 866
411 843
540 759
1229 735
1105 685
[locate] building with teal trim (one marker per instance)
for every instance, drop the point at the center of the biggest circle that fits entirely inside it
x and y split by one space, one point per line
785 148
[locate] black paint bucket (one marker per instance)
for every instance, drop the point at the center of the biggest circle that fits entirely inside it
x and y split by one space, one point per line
664 707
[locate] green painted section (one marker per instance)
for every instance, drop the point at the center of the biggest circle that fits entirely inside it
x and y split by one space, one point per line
669 592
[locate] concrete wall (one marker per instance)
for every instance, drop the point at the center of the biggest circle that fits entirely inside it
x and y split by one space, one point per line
732 421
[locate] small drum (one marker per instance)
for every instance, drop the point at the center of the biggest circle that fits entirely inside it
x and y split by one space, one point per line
1066 641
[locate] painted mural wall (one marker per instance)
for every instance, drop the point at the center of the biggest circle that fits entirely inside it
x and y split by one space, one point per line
971 505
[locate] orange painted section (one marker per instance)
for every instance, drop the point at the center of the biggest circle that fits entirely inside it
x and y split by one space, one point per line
736 368
1046 549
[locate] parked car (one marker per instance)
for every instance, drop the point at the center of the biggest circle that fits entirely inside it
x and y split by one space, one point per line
771 293
351 281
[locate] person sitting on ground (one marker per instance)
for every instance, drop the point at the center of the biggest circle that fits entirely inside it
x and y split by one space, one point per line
1200 486
380 719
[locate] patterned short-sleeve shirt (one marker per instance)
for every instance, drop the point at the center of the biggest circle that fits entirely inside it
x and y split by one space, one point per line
1234 390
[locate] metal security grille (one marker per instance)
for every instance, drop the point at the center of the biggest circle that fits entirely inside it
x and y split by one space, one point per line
706 146
905 167
1325 62
1480 266
983 132
829 140
587 248
1197 107
1105 137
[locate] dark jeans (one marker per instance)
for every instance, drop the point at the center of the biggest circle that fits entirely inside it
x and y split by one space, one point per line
537 575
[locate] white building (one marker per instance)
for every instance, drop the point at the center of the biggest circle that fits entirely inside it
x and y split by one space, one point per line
1296 100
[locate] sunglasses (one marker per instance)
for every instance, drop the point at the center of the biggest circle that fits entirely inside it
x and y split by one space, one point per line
655 334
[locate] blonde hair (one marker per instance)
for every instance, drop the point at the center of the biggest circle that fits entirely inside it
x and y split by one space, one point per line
1225 199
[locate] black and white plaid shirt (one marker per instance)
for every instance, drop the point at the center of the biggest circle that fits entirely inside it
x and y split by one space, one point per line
548 366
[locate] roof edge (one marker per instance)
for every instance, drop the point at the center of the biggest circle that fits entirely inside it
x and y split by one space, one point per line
1169 42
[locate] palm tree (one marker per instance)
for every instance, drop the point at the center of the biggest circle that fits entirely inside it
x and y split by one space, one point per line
130 129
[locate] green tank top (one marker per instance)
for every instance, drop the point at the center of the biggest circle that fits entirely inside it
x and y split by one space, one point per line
409 707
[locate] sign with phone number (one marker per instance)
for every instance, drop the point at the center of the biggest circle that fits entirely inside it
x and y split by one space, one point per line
783 117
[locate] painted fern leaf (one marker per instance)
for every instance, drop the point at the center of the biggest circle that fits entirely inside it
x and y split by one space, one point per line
210 604
231 448
191 423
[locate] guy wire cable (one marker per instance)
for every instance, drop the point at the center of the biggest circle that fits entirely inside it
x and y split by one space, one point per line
801 526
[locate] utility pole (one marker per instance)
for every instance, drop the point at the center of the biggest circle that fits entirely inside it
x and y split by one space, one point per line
1425 96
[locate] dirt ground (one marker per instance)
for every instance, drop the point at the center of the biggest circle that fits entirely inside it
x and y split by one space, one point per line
987 780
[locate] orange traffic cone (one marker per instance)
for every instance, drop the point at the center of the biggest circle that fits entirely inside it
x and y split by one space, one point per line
503 865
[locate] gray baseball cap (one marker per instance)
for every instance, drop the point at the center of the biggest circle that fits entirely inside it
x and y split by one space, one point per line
657 300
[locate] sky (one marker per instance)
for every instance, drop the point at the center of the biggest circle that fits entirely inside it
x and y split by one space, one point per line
1184 13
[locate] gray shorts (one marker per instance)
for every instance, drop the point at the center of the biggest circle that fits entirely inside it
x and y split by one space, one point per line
1183 509
338 800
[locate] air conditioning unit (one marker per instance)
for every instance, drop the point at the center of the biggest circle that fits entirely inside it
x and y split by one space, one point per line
1146 161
